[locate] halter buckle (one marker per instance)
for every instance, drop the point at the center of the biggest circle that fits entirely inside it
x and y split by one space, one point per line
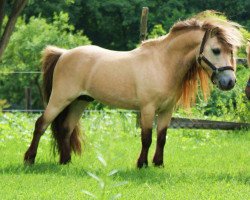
200 58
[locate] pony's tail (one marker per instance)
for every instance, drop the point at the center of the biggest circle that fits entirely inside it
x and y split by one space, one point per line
51 55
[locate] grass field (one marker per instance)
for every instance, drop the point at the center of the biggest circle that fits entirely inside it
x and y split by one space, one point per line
199 164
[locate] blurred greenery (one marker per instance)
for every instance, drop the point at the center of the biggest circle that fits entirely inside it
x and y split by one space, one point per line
24 54
115 24
157 31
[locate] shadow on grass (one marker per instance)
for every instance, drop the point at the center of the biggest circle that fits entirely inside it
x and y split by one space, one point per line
148 175
44 168
158 175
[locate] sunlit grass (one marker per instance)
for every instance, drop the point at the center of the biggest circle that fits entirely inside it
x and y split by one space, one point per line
199 164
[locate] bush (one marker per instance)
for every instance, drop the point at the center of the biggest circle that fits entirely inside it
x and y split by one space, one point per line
24 54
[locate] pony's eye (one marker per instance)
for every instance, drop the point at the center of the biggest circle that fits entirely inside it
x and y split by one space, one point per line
216 51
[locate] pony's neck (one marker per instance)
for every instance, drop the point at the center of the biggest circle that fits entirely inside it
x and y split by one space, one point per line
180 52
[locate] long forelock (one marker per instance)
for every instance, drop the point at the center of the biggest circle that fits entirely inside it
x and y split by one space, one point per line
228 35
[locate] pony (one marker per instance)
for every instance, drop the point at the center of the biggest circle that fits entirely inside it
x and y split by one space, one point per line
152 78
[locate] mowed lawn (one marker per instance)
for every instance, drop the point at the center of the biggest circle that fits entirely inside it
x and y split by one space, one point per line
199 164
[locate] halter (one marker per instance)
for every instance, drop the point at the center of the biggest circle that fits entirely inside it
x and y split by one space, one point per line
201 57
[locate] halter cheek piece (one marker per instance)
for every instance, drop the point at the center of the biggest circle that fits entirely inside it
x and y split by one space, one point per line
201 57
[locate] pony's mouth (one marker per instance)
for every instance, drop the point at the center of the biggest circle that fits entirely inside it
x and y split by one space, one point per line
225 87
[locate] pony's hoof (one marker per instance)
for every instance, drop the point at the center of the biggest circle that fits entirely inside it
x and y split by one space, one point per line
29 159
141 164
65 161
158 163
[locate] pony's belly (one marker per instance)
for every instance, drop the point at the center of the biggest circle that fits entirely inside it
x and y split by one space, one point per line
119 103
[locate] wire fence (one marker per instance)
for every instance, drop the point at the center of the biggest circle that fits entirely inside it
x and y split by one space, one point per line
176 122
21 72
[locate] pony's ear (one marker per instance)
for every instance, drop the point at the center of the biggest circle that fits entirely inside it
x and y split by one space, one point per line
214 32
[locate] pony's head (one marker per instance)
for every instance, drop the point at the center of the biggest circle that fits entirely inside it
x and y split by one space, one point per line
216 54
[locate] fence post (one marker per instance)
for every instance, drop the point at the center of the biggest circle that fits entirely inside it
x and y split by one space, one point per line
28 98
143 24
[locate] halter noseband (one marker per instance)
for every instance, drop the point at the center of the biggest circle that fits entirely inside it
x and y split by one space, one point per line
201 57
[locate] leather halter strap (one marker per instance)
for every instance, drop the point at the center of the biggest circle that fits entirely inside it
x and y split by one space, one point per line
201 57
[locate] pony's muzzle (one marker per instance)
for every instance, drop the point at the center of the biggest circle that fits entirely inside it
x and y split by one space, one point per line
226 83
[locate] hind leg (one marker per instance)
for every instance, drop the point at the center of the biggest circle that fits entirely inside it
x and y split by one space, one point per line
54 107
40 127
76 109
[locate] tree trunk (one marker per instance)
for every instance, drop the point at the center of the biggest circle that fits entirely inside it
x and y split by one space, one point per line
2 4
17 8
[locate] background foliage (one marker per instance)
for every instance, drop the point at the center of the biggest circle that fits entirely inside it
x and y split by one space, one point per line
115 24
24 54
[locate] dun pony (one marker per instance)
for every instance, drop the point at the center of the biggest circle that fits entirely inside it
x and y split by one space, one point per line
152 79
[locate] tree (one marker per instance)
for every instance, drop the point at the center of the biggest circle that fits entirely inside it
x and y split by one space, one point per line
114 24
17 8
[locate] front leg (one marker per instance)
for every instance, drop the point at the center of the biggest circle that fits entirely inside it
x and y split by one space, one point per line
147 117
162 124
146 140
161 140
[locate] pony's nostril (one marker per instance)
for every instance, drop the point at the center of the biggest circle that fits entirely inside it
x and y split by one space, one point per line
231 84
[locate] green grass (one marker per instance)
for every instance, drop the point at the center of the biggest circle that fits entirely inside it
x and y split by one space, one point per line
199 164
